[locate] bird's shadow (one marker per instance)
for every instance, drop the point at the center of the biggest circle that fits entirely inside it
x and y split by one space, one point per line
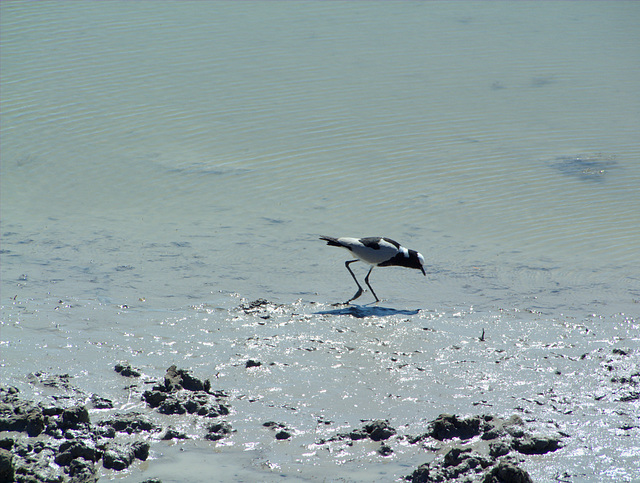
362 311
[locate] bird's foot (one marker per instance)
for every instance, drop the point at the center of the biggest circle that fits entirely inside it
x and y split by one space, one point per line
358 293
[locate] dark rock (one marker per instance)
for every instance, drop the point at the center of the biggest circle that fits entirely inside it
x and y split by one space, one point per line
118 457
60 381
200 403
7 470
448 426
133 422
34 422
273 425
70 450
385 450
258 307
182 393
421 474
82 471
456 455
536 444
515 426
103 432
621 352
379 430
152 480
492 433
6 443
52 411
35 467
172 405
154 398
172 433
492 428
460 461
141 450
182 402
282 431
252 363
498 448
176 379
21 416
75 418
357 434
507 472
98 402
126 370
632 396
218 431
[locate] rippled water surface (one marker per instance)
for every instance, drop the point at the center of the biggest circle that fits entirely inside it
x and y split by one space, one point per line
164 162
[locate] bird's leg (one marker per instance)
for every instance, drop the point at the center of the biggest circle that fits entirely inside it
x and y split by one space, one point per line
359 292
366 279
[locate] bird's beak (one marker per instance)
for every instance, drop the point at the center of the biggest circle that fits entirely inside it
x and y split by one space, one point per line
423 272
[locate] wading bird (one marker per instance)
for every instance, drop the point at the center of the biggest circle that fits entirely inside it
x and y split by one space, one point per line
377 252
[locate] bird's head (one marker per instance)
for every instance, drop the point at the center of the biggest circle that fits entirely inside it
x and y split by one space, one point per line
416 261
421 258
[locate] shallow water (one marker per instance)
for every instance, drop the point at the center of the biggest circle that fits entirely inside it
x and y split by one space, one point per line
162 163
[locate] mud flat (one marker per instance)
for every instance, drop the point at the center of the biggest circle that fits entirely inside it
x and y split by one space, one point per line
55 443
59 432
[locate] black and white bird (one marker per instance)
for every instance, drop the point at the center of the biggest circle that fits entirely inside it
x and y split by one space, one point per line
377 252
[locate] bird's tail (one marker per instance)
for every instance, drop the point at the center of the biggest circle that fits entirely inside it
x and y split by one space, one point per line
331 241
